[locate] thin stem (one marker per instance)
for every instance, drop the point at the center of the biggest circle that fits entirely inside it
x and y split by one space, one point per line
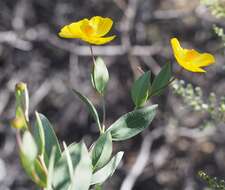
101 129
92 54
41 159
104 113
93 58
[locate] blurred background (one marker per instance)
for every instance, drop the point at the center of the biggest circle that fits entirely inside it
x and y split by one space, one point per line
181 140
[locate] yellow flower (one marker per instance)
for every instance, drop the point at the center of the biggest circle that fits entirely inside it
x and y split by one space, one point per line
190 59
89 30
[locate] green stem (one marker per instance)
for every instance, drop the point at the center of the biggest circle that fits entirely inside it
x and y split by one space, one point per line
104 113
92 54
44 167
101 129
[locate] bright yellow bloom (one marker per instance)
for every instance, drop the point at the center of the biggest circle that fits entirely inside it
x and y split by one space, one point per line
89 30
190 59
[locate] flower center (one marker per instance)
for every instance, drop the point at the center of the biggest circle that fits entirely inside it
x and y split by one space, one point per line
89 30
191 54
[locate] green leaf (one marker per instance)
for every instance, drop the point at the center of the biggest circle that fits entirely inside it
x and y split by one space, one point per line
28 157
83 171
161 81
69 161
33 170
51 169
39 134
140 89
61 178
100 76
82 168
98 187
107 171
29 147
51 139
90 107
132 123
102 151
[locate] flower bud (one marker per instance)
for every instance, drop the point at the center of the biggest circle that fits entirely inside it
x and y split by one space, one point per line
22 100
18 123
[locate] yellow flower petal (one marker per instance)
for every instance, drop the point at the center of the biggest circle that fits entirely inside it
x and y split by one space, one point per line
91 31
190 67
101 25
66 33
203 60
75 28
72 30
86 29
191 60
99 41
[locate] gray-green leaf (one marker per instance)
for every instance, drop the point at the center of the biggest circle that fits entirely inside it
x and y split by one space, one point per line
51 139
161 80
51 169
90 107
140 89
29 147
44 129
100 76
82 169
132 123
39 134
28 156
107 171
102 151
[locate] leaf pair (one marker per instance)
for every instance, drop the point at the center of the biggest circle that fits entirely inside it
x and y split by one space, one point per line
101 153
143 88
74 170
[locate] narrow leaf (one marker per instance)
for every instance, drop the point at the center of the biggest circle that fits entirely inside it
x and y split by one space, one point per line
90 107
69 161
33 170
40 135
61 178
102 151
161 80
83 171
29 147
51 139
28 156
140 89
132 123
51 169
107 171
